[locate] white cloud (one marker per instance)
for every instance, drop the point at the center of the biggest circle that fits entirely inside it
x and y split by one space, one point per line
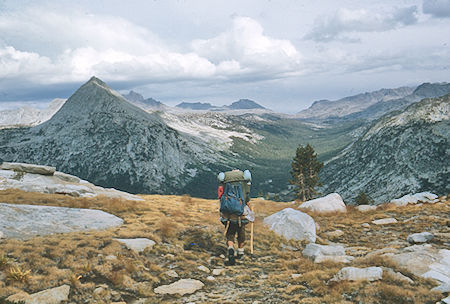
245 48
346 21
437 8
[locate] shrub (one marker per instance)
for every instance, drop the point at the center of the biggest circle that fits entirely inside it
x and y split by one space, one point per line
363 199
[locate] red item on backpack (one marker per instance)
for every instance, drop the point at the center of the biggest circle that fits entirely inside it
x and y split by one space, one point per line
219 192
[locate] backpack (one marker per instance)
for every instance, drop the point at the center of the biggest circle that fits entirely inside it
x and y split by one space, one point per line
232 200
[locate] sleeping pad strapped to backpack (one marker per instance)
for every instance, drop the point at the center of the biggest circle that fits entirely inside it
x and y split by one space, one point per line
232 200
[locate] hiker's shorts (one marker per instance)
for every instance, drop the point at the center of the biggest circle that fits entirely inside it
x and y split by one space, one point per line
234 229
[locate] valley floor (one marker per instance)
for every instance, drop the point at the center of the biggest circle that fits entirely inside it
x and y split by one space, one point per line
188 234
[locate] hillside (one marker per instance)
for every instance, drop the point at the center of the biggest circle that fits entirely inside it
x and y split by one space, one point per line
98 136
404 152
189 242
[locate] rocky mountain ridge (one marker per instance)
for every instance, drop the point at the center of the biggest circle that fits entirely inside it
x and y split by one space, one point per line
401 153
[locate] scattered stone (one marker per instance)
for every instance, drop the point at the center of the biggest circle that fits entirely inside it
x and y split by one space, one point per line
422 237
111 257
366 208
204 269
358 274
210 278
334 234
322 253
425 197
296 275
328 204
26 221
28 168
365 225
292 224
385 221
221 256
138 244
218 271
181 287
172 273
50 296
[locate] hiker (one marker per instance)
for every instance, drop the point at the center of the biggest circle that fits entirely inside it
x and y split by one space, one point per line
234 195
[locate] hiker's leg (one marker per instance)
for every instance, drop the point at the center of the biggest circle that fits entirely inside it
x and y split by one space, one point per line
241 241
232 230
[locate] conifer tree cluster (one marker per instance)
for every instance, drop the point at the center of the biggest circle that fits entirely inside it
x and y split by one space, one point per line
305 172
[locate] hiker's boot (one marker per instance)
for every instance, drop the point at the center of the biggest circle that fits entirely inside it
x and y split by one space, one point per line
231 258
240 254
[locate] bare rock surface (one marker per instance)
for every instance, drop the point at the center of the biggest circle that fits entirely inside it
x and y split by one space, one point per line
292 224
28 168
385 221
138 244
44 179
182 287
328 204
359 274
50 296
422 237
323 253
366 208
26 221
424 197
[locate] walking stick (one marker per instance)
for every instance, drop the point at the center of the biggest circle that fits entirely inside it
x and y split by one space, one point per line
251 235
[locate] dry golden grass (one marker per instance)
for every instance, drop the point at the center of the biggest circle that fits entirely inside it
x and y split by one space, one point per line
188 234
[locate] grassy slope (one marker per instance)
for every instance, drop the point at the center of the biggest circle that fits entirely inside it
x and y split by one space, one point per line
176 222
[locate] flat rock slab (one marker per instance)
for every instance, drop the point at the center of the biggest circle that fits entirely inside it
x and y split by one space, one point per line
182 287
28 168
326 253
27 221
292 224
49 296
138 244
422 237
425 197
385 221
359 274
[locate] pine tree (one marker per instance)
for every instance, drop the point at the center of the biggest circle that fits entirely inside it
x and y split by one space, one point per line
305 172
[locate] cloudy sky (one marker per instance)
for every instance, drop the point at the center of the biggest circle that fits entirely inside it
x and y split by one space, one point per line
283 54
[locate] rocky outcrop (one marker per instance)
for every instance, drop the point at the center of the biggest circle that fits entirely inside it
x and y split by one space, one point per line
28 168
44 179
26 221
385 221
181 287
331 203
292 224
423 197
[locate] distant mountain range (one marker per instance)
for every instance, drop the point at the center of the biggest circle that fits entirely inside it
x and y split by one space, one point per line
241 104
146 104
403 152
27 116
370 106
